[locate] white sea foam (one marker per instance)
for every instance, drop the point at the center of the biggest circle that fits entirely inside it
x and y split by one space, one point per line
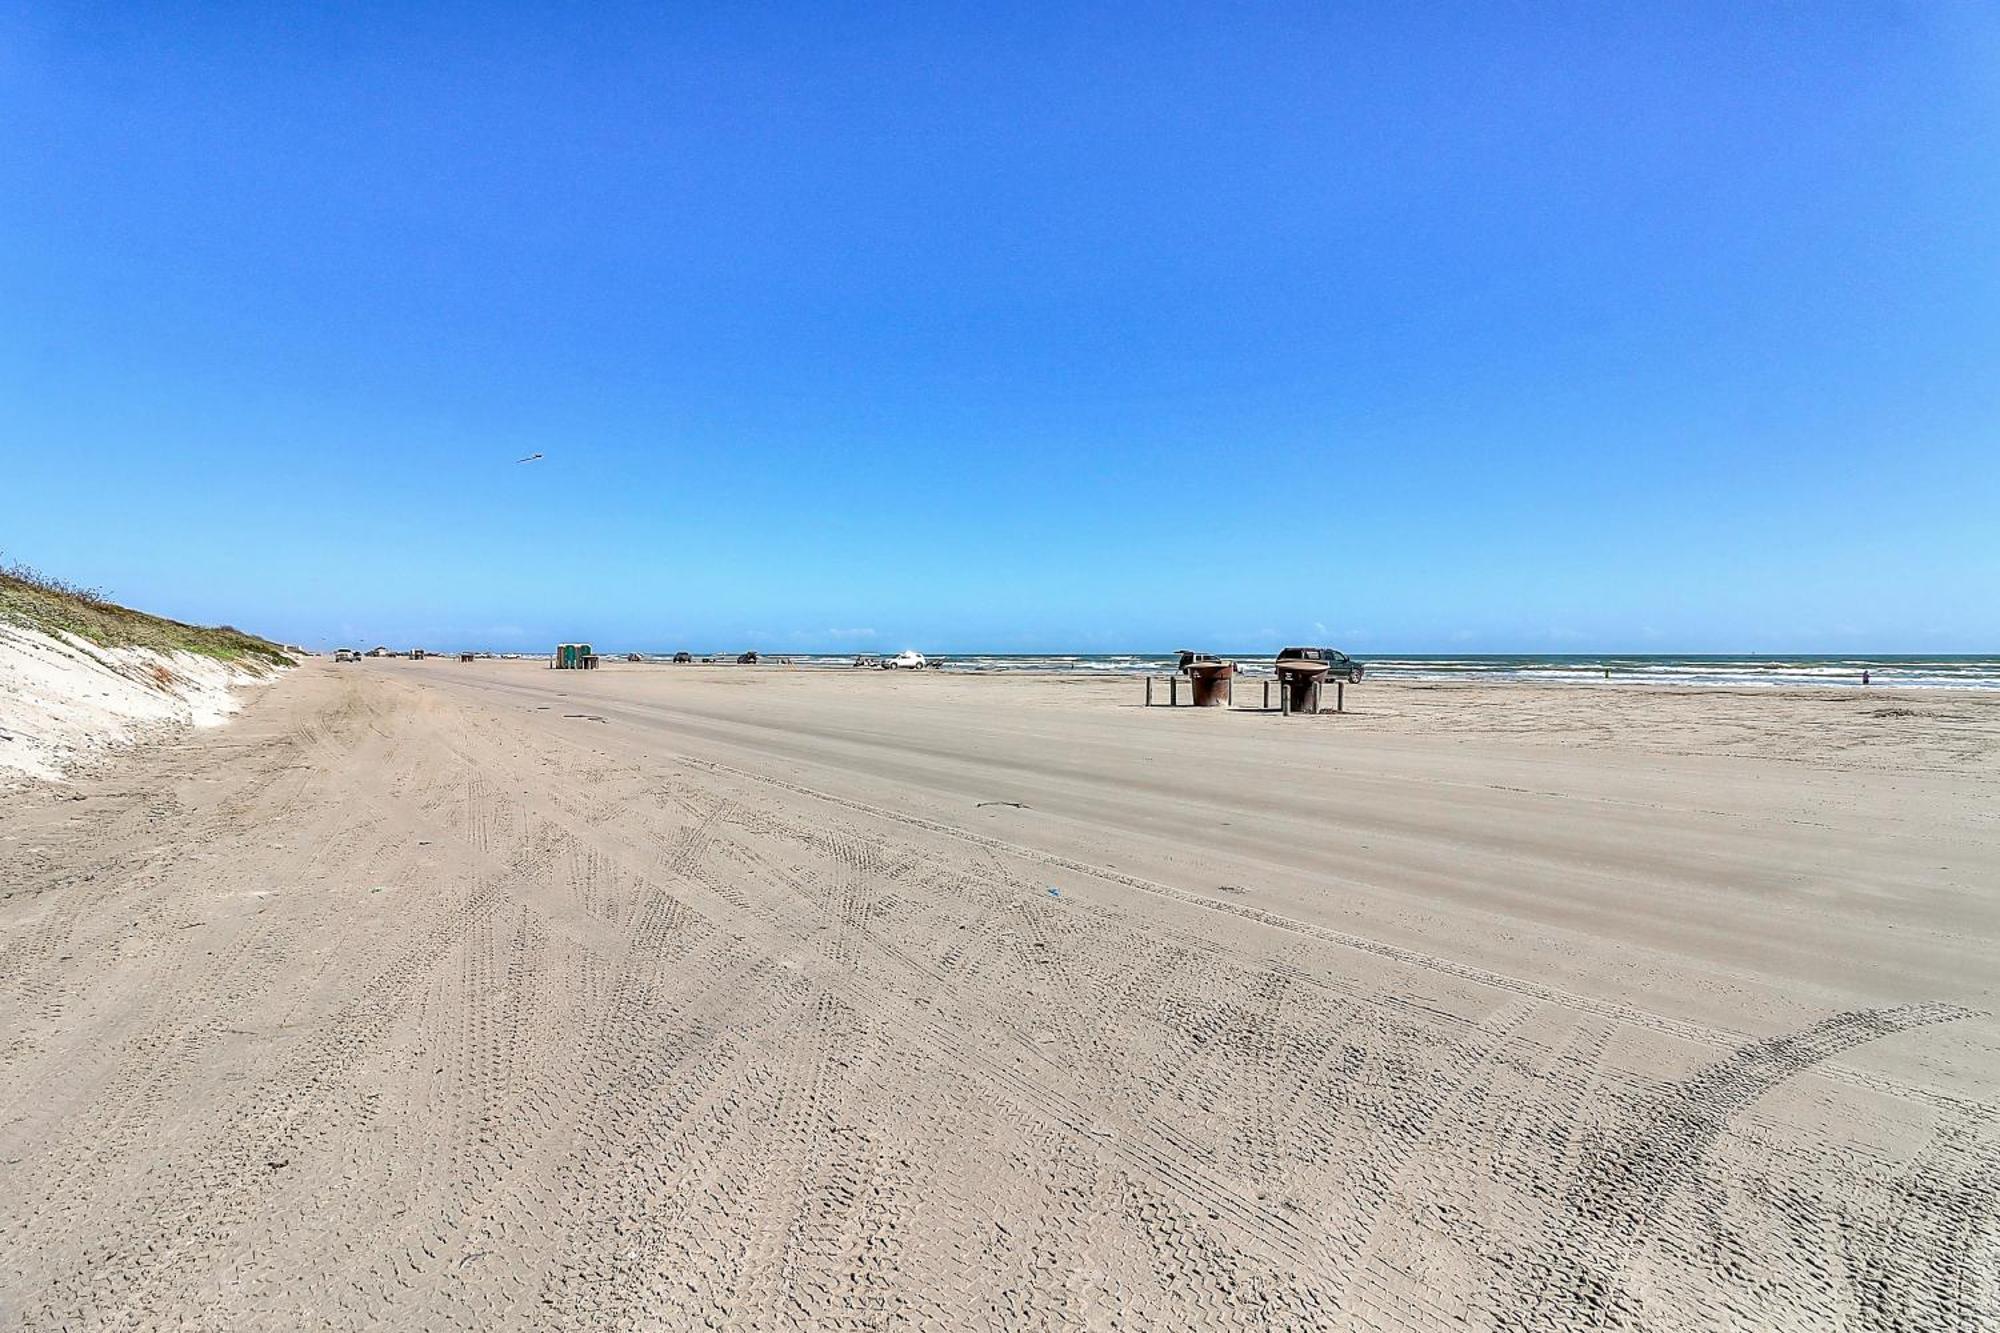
1900 672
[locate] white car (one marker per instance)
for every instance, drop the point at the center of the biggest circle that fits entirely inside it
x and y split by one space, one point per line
907 660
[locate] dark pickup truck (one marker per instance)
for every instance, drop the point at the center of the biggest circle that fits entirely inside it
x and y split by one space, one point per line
1337 663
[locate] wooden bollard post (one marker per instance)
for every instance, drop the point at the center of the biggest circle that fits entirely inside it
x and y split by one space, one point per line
1173 691
1340 696
1149 691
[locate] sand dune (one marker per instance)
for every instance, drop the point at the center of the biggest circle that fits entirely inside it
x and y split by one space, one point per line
431 995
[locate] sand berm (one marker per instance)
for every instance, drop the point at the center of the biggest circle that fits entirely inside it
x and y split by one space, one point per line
81 677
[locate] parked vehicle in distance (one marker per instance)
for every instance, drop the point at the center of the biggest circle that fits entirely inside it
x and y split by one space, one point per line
747 659
346 655
1337 662
868 660
683 657
632 657
907 660
1189 657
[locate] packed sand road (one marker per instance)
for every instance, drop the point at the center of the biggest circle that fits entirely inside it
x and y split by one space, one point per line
430 996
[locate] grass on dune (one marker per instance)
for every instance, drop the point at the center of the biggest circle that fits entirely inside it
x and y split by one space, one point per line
44 602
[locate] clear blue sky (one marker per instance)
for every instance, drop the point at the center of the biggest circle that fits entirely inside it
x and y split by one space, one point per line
1649 327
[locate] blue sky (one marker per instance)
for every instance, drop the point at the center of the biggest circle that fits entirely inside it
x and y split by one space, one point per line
1504 327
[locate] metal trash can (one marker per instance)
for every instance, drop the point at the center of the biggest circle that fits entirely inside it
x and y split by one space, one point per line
1298 685
1211 683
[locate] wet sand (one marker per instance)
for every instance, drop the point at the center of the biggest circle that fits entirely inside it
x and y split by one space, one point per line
442 995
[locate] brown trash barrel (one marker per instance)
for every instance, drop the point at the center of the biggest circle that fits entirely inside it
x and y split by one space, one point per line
1298 684
1211 683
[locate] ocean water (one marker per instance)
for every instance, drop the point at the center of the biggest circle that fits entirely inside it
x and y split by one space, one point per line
1900 672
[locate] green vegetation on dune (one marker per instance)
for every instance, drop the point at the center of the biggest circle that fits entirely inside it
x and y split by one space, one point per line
32 598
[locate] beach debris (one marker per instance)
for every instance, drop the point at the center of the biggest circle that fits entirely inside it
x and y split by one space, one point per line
585 717
529 459
1054 892
1018 805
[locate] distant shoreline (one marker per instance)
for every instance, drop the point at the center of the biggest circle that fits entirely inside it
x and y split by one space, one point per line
1910 671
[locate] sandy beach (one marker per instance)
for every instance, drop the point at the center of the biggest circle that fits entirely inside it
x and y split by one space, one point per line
439 995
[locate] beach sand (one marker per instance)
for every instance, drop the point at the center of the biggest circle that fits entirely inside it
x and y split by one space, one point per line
432 995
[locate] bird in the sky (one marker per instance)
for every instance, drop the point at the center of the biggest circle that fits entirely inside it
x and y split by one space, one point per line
529 459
